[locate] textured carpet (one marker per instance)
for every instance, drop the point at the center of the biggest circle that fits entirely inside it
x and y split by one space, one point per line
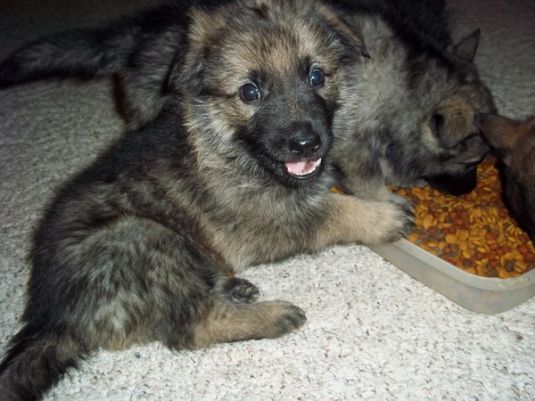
373 333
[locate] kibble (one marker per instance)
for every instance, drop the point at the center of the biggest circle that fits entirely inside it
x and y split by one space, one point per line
473 232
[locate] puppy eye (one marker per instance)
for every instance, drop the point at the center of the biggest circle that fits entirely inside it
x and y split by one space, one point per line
437 124
316 77
250 93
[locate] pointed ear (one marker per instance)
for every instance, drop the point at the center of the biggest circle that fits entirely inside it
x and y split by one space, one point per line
466 48
500 132
346 30
189 63
188 72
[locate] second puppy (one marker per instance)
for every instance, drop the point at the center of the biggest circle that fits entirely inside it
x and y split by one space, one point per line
514 142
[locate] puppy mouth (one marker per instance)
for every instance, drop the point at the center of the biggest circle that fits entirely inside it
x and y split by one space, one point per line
302 169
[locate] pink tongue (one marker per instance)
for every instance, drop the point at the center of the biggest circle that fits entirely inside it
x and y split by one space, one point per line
303 167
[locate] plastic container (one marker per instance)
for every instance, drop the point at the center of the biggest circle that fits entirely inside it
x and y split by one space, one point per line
479 294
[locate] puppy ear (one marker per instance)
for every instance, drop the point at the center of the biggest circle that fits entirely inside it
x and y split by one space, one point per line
189 65
188 74
500 132
346 30
530 125
466 48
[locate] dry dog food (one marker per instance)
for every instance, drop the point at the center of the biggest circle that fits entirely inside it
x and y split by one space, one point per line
473 232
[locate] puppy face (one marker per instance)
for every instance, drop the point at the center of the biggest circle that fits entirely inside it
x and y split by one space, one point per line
410 113
262 81
514 141
459 95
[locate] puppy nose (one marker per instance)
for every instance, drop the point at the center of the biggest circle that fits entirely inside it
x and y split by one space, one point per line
303 142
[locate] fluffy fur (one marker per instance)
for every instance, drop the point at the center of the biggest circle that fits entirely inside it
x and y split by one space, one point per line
142 246
411 114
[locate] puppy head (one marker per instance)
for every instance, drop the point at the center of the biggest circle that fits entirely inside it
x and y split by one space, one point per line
261 83
514 143
451 122
413 106
452 119
508 137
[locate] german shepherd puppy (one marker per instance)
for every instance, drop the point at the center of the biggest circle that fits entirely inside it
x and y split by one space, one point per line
411 113
409 116
514 143
143 245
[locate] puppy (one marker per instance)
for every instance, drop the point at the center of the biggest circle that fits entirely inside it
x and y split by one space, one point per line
234 171
514 143
410 114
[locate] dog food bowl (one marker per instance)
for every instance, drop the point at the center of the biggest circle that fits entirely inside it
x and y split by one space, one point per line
480 294
467 247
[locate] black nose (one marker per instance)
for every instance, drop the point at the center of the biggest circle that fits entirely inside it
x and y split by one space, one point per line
304 141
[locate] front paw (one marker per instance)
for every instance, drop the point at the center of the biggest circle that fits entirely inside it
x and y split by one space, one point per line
408 220
389 221
402 220
281 317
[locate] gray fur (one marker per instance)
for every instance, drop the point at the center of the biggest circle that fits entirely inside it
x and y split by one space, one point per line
386 130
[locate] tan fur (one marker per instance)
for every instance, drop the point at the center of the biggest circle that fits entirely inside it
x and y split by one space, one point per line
227 322
356 220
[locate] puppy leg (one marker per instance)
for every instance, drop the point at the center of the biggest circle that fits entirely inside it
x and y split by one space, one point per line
228 322
352 219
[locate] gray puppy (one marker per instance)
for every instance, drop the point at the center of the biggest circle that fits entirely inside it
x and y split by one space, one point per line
234 171
410 114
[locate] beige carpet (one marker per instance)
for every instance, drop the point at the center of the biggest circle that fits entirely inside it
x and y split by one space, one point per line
373 333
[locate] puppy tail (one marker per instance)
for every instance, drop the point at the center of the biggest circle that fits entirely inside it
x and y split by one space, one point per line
90 53
35 362
82 53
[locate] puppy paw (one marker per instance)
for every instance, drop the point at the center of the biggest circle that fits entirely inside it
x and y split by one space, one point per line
229 322
401 220
387 221
408 220
284 317
241 291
